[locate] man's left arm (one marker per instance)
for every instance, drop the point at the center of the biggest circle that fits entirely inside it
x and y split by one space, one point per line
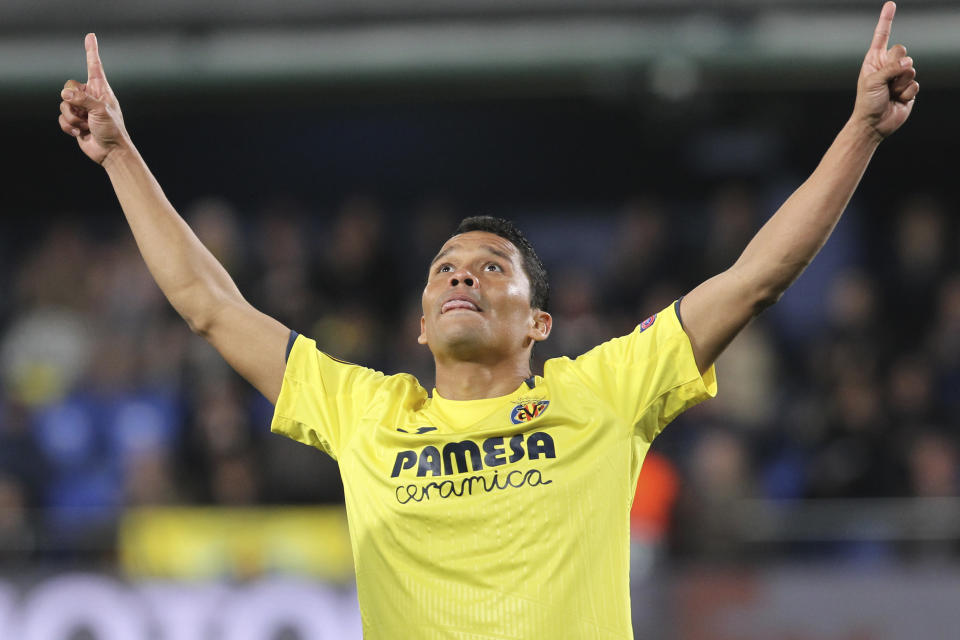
717 310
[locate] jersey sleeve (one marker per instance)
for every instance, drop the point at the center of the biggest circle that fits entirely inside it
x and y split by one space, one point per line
322 399
649 376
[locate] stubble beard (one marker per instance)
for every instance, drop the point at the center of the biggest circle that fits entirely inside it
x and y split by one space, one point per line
468 344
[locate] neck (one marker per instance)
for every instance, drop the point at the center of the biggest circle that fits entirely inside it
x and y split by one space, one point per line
458 380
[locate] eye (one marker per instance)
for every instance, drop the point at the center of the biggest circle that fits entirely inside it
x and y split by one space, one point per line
445 268
493 266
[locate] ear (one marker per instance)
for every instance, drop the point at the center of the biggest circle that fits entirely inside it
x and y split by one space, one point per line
542 324
422 338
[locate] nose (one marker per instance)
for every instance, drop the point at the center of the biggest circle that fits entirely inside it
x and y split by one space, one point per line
463 276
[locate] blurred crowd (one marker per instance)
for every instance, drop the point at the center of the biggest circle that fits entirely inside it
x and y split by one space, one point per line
849 387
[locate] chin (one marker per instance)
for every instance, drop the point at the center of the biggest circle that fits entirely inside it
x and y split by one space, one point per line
464 343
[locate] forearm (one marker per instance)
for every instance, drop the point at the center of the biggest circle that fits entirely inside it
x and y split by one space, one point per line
790 239
194 282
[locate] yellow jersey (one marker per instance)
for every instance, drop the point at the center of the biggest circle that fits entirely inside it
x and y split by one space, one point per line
498 518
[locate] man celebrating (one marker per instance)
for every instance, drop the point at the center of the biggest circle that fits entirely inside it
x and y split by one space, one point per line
497 507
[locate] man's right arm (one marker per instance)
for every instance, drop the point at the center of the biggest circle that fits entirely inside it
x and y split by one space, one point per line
194 282
197 286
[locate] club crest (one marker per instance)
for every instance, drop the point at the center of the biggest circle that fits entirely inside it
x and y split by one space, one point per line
646 324
527 411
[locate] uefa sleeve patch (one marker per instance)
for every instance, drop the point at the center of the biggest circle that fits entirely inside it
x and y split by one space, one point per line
646 324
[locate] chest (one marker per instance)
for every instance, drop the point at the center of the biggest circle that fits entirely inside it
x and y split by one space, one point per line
529 449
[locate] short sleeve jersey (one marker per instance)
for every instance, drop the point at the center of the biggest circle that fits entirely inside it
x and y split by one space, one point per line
497 518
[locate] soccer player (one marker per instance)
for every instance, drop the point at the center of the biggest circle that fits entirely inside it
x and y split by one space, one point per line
497 506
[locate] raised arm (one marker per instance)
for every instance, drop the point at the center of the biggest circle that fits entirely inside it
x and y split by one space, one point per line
197 286
717 310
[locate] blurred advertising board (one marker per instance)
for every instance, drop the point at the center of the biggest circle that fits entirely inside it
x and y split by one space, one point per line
97 607
783 603
198 544
841 602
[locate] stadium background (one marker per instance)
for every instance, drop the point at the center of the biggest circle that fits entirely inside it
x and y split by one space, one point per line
324 151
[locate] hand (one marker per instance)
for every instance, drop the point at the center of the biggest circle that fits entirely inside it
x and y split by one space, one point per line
90 112
886 88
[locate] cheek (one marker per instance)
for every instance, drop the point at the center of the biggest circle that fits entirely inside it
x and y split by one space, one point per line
516 290
425 304
429 296
519 297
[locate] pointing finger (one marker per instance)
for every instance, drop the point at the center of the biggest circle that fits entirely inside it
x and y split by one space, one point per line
882 33
94 66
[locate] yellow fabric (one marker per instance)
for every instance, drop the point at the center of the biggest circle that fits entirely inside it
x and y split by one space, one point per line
457 415
511 518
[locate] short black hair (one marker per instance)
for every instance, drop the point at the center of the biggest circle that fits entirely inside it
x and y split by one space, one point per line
536 273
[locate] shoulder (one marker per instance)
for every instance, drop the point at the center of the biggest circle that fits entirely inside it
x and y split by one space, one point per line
306 360
645 336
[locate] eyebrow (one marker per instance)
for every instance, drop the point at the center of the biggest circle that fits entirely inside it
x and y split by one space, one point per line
491 249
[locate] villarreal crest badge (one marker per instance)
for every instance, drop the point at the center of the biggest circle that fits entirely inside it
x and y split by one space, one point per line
527 410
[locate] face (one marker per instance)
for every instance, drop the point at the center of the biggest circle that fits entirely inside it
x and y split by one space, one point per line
476 305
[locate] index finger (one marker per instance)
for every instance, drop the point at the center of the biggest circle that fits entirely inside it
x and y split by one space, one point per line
881 36
94 66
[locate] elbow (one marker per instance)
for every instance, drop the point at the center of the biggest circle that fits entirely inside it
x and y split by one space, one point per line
201 308
763 304
201 319
205 321
765 281
198 325
766 290
757 293
766 298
